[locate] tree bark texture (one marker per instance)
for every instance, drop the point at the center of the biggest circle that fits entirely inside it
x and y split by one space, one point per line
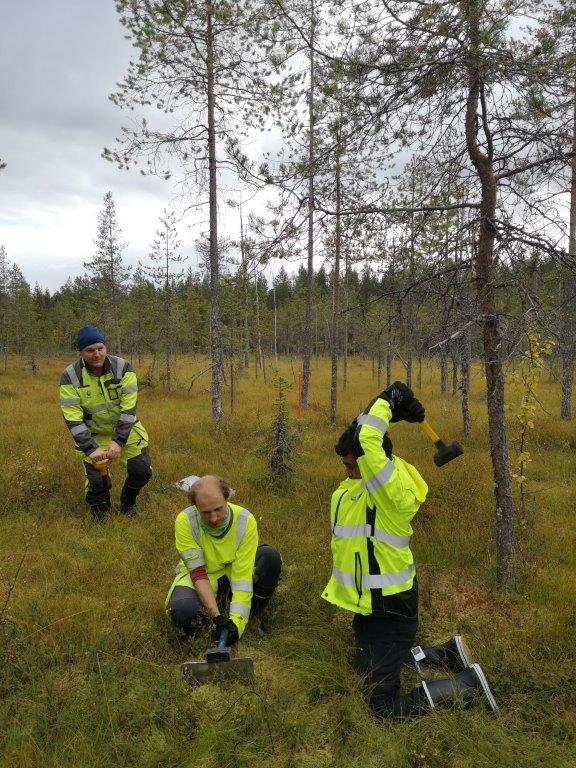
504 513
335 326
569 290
215 338
307 346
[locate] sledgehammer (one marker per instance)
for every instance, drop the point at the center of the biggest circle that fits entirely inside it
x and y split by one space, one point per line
219 666
445 453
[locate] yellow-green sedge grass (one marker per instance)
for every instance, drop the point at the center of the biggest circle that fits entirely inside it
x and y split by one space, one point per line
89 662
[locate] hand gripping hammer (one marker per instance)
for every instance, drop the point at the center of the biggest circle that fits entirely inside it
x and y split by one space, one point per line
445 453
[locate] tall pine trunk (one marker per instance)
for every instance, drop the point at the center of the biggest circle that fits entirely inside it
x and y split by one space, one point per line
335 326
307 346
484 274
569 290
346 320
215 338
246 296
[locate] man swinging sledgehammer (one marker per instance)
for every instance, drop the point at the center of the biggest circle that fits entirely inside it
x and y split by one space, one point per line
373 573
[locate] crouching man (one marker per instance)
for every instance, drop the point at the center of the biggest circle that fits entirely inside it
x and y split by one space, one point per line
221 563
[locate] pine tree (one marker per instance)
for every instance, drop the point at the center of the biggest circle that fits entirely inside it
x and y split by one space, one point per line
433 74
196 63
163 254
21 315
110 276
4 280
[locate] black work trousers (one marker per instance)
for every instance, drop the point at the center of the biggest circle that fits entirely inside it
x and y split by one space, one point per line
382 647
138 470
185 608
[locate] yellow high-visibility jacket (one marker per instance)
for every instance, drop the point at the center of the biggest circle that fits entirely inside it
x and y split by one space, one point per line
98 409
232 555
371 522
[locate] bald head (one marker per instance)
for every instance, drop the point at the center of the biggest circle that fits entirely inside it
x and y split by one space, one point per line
209 494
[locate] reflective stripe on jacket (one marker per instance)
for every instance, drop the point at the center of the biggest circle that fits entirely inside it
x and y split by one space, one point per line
232 555
99 405
370 521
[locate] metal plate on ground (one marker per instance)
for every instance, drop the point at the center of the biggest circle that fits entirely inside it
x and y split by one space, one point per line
199 672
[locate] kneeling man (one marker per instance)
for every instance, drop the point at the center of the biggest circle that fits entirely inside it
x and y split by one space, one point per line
221 563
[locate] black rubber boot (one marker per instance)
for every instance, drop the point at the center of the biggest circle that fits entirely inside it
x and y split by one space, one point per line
139 473
464 686
131 510
450 655
100 512
256 610
128 504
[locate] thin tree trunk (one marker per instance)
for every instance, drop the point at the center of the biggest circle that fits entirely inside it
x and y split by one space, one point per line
167 317
389 353
168 331
410 308
569 290
465 355
307 346
215 339
443 369
504 512
335 335
246 282
275 323
346 321
454 359
260 356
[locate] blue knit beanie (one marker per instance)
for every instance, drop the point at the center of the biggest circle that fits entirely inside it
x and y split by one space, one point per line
87 335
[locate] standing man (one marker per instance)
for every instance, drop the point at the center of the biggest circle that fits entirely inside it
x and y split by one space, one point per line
373 573
98 395
221 568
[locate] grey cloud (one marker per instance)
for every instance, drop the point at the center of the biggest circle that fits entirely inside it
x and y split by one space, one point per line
59 60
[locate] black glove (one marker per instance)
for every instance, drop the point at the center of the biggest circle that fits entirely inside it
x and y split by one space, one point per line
405 407
221 623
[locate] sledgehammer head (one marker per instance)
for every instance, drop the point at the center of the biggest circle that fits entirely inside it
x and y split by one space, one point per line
446 453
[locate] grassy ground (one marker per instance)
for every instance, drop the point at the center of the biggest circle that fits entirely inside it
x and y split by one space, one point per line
89 663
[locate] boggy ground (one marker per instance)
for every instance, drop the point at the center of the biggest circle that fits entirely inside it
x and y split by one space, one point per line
89 664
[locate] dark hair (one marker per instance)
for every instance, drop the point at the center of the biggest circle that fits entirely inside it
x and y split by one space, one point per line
348 442
224 487
345 442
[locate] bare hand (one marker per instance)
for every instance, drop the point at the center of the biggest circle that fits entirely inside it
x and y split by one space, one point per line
98 455
113 451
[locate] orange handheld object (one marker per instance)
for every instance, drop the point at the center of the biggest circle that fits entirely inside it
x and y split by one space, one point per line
102 465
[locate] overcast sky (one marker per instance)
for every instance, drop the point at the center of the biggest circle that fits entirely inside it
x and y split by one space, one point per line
59 60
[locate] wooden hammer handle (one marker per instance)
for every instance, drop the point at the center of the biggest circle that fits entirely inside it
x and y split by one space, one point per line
427 429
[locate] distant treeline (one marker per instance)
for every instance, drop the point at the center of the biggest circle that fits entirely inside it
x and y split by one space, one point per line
395 313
